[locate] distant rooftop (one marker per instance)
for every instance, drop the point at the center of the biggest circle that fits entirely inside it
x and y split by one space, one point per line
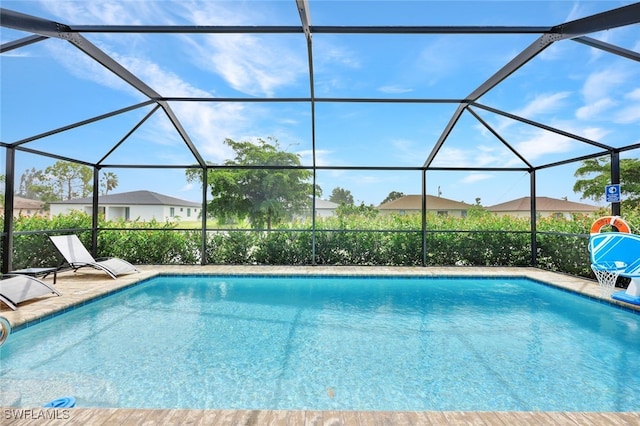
414 202
134 198
326 204
27 203
543 204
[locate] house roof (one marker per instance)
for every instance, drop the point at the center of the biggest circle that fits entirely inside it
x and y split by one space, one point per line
134 198
414 202
543 204
326 204
27 203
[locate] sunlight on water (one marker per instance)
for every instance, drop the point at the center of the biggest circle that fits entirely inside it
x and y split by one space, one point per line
333 343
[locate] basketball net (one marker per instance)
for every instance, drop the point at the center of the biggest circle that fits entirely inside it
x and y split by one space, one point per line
607 275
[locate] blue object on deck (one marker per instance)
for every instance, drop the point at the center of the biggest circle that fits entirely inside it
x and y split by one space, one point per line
623 296
619 251
65 402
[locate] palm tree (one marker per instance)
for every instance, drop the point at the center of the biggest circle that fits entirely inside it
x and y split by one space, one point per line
108 181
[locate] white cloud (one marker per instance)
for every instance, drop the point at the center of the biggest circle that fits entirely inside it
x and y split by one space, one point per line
634 95
539 143
438 59
250 65
328 54
599 91
594 109
208 124
600 84
593 133
366 179
256 65
165 82
478 156
543 143
83 67
16 54
394 89
476 177
575 12
543 104
453 157
323 157
408 152
108 12
630 113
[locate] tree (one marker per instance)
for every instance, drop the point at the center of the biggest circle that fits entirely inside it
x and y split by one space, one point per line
108 181
596 172
393 195
341 196
263 195
70 180
34 185
63 180
346 210
27 181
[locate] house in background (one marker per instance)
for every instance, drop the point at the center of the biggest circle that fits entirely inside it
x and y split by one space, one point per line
325 208
26 207
142 205
413 204
545 207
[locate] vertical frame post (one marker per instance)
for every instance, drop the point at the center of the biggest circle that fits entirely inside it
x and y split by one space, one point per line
203 240
313 220
534 216
94 211
9 183
424 217
615 179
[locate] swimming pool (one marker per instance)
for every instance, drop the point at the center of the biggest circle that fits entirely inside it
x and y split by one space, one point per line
376 343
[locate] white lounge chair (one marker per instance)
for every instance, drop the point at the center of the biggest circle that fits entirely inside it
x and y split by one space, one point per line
77 256
18 288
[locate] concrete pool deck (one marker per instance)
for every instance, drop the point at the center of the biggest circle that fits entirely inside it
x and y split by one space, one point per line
87 284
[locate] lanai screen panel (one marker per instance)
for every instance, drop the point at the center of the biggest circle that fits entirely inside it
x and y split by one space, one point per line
377 133
369 187
232 77
409 66
582 90
285 124
51 84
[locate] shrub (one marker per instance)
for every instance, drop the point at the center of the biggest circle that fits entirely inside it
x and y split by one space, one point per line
357 238
284 247
234 248
150 242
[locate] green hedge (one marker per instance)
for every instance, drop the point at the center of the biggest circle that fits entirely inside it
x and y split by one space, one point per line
139 242
35 249
481 239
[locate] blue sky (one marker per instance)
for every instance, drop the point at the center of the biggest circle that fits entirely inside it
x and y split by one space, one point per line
571 86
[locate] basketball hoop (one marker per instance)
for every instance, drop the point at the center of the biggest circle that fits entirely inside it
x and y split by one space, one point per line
607 274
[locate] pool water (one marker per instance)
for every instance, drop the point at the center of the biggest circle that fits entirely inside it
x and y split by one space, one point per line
333 343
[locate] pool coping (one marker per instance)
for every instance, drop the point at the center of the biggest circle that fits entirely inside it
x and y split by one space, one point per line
81 288
131 417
